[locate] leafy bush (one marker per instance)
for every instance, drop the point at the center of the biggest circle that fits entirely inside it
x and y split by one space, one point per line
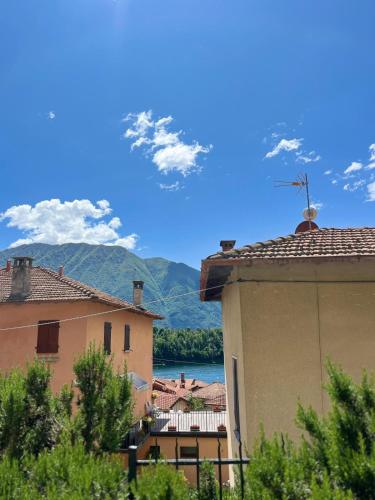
105 401
30 419
208 483
336 457
160 482
66 472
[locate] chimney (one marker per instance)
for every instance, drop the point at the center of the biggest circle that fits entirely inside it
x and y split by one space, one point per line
227 245
8 266
61 271
138 293
182 379
21 278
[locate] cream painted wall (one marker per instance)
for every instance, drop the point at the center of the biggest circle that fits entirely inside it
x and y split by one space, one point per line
283 325
208 448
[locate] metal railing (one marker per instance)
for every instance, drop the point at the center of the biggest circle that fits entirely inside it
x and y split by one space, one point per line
177 462
202 421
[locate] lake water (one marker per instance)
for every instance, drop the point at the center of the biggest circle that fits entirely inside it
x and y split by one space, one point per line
206 373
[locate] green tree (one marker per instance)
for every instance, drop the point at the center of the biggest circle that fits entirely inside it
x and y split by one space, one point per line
336 457
160 482
105 401
30 420
196 404
208 484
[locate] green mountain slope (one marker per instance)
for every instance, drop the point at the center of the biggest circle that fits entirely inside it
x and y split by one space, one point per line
113 268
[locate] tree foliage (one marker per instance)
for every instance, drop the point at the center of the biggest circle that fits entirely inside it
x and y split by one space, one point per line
336 456
105 401
161 482
185 344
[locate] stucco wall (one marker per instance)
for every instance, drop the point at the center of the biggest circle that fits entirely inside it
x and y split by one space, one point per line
17 347
284 325
139 358
208 448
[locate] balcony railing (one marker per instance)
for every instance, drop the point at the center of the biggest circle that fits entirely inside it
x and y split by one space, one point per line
193 421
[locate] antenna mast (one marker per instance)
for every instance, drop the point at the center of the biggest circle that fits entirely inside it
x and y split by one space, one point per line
302 182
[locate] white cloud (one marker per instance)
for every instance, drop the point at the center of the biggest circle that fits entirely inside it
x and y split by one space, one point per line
372 152
317 205
168 151
334 181
353 187
285 145
371 191
310 157
355 166
77 221
51 115
171 187
328 172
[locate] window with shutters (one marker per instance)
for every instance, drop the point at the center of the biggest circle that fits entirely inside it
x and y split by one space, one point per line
127 338
107 337
48 337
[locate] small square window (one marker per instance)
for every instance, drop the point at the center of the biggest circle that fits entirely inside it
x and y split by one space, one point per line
154 452
188 452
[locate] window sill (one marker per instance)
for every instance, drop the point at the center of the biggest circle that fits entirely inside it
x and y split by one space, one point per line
128 350
50 358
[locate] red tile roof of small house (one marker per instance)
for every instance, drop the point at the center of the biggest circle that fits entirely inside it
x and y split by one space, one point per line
49 286
322 244
166 401
211 391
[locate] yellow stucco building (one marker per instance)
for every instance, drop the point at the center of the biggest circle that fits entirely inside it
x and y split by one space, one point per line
288 304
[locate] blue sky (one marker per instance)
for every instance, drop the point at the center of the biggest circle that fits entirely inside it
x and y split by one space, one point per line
223 97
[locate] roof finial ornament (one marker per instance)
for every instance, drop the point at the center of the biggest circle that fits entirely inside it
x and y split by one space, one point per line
309 213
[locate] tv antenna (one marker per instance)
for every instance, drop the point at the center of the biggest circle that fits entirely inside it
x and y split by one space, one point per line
302 183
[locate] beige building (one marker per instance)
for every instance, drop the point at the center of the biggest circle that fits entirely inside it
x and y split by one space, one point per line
288 304
48 315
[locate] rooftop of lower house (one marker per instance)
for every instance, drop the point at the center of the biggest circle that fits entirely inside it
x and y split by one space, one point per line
193 421
325 244
50 286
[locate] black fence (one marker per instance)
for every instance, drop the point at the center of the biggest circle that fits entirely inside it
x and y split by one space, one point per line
177 462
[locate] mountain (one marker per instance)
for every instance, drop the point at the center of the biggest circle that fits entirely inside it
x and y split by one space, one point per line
112 269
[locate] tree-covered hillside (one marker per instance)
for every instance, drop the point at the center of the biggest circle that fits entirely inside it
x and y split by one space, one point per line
112 269
184 344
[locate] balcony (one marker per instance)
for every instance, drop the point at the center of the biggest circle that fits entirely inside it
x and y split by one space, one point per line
193 421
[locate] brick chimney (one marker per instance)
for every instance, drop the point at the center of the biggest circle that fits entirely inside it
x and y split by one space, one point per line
8 267
61 271
227 245
138 293
21 278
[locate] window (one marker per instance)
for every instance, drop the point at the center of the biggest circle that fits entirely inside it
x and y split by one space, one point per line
188 452
154 452
48 337
236 404
127 338
107 337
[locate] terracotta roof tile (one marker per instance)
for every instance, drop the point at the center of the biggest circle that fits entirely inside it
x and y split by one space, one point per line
350 242
49 286
211 391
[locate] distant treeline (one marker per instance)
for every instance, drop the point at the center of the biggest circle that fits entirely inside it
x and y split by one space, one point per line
184 344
